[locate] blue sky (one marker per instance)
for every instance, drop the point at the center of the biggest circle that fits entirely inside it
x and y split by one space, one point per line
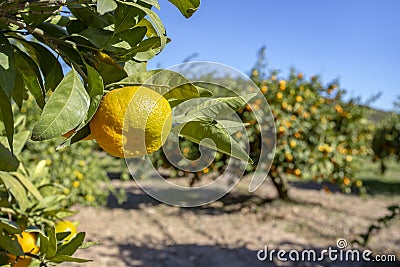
353 40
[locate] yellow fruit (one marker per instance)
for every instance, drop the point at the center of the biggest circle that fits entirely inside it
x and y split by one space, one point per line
66 226
264 89
297 172
299 98
279 95
292 144
282 85
131 122
27 242
346 181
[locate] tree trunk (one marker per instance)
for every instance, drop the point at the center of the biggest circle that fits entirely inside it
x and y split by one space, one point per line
281 186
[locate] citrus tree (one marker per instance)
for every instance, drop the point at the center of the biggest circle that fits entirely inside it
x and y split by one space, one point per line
79 61
386 140
318 133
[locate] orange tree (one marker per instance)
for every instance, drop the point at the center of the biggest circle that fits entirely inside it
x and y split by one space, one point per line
101 45
319 134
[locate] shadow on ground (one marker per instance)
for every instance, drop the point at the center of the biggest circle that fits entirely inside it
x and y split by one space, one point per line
195 255
230 203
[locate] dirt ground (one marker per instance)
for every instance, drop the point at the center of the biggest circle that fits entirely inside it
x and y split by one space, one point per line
230 232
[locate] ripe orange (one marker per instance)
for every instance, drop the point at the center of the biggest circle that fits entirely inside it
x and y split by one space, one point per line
132 121
27 242
66 226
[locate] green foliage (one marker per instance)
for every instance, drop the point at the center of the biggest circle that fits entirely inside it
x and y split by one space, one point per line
319 134
386 140
101 42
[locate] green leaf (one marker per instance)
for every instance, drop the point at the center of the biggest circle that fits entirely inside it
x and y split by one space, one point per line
198 130
127 41
65 258
90 17
104 6
152 2
28 185
61 236
8 162
72 246
132 67
44 243
31 75
110 72
151 31
186 7
204 92
65 110
52 30
76 137
20 139
232 126
10 226
7 66
19 93
48 64
52 244
11 245
37 14
156 21
147 49
172 85
86 245
126 17
95 90
98 37
7 117
16 188
217 108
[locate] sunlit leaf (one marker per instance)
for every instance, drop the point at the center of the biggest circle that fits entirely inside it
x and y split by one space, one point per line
172 85
206 130
16 188
66 109
126 17
52 244
65 258
186 7
104 6
28 185
217 108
